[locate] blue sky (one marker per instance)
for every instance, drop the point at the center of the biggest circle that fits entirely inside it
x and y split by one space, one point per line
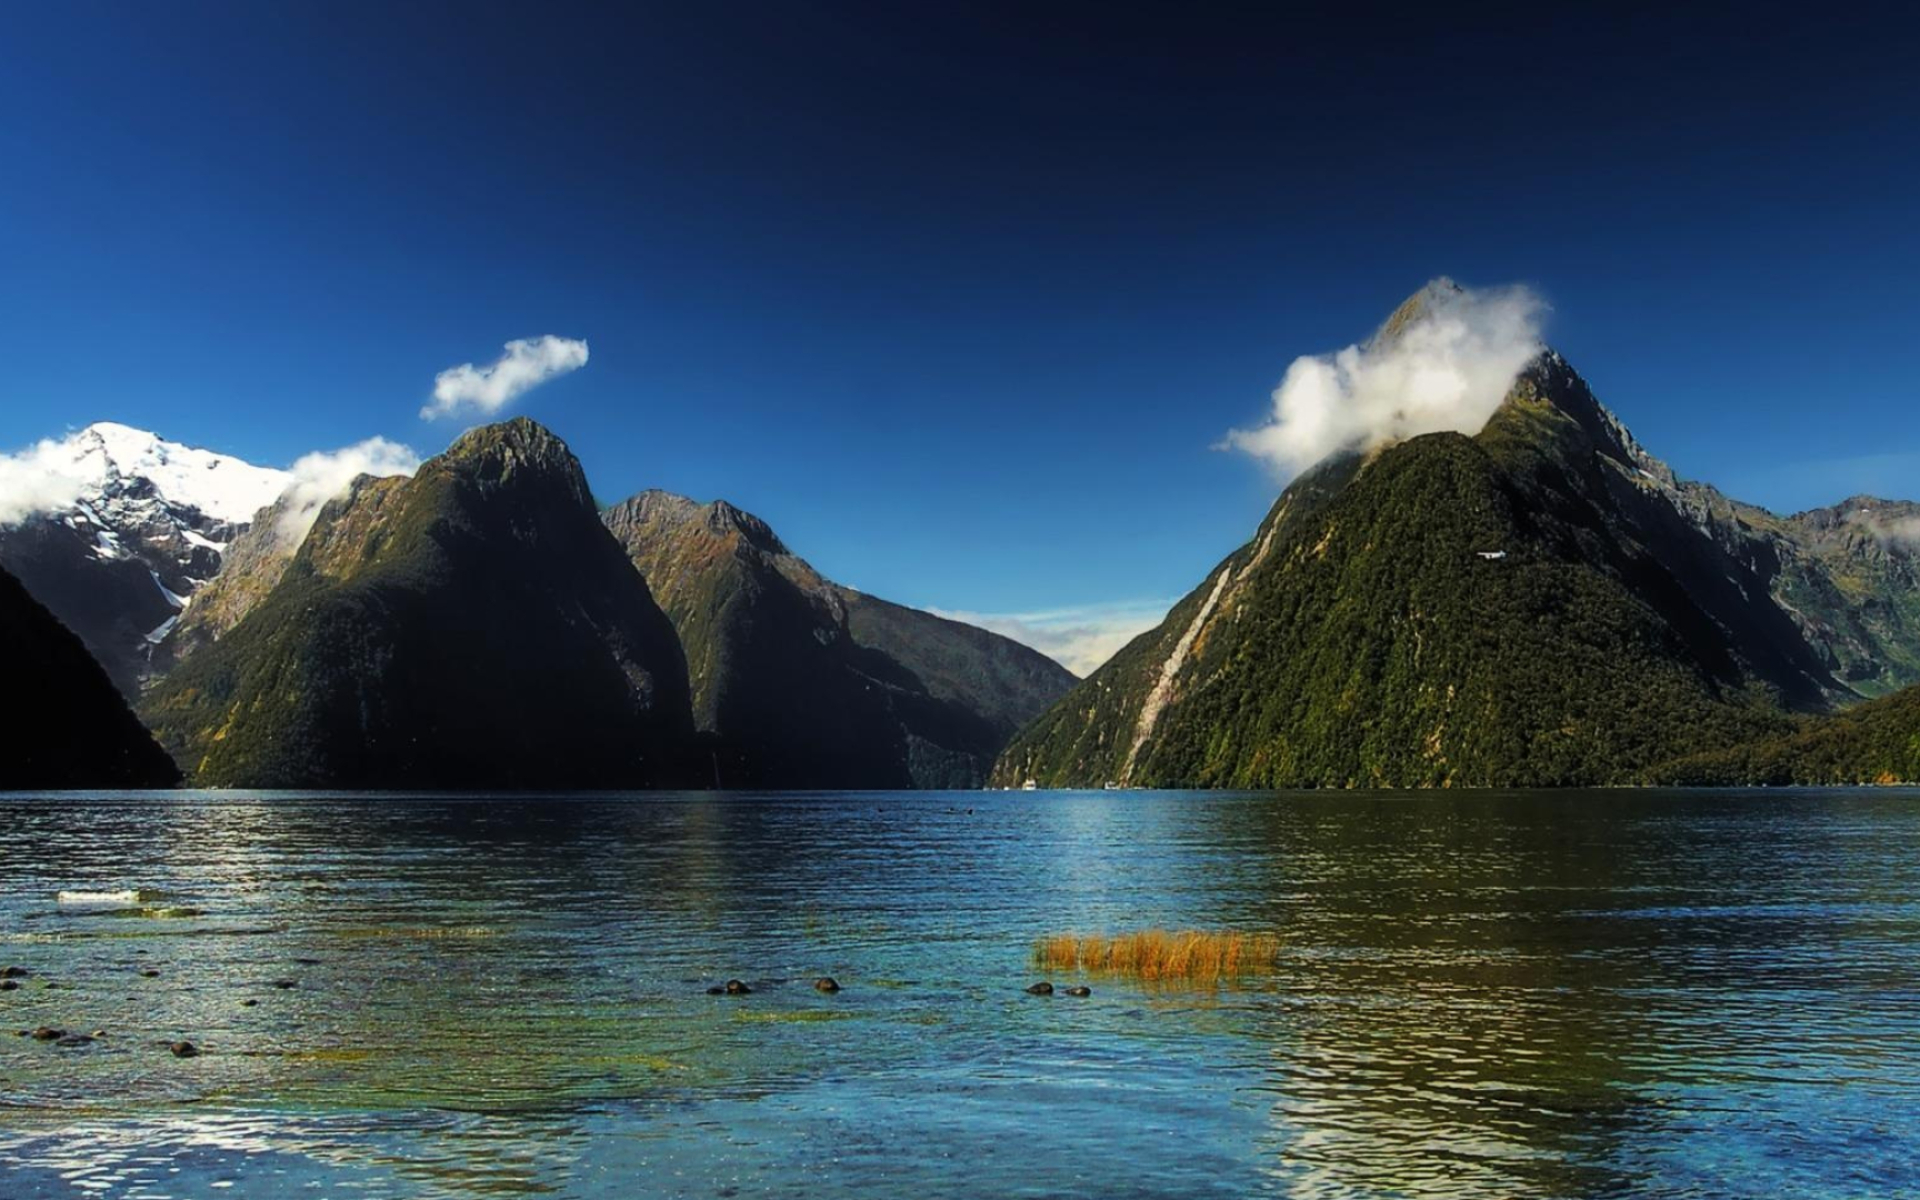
960 298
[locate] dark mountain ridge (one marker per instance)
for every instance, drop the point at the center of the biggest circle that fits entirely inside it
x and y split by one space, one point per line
810 684
67 726
473 626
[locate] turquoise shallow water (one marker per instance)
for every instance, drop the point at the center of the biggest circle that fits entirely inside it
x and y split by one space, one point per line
1557 995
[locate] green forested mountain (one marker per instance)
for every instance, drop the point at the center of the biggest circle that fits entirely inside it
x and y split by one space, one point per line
67 726
1877 742
809 684
1542 603
474 626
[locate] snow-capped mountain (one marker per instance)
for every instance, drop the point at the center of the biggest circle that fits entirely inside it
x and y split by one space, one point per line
121 528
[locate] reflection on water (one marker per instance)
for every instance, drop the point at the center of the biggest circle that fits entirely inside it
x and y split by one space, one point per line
1547 995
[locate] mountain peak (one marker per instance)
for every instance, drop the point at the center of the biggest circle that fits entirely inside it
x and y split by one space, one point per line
511 451
1434 296
677 511
108 457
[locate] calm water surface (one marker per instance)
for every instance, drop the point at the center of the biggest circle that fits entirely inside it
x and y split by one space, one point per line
1566 995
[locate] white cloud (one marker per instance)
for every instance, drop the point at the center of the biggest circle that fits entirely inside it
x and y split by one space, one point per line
1447 369
1080 638
43 478
324 474
527 363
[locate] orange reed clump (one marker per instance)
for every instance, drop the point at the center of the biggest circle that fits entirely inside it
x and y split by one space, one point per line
1189 954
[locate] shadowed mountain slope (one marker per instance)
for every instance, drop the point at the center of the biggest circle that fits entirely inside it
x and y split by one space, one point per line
471 627
67 727
810 684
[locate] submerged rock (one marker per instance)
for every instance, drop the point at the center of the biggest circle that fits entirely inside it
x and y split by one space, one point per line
14 972
284 984
826 983
249 1002
1043 988
149 973
184 1050
74 1039
47 1033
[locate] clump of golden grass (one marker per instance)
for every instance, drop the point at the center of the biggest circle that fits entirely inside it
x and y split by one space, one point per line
1188 954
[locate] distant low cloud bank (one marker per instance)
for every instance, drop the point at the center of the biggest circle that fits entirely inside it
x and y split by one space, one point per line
1446 369
526 364
324 474
1079 639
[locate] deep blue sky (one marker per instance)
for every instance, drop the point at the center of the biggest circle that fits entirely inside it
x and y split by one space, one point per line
958 297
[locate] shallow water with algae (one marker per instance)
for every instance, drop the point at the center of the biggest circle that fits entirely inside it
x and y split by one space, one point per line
1545 995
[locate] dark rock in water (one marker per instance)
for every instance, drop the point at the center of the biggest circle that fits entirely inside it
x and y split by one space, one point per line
74 1039
307 962
149 973
47 1033
14 972
1080 991
8 985
284 984
184 1050
826 983
716 990
1042 988
249 1003
736 988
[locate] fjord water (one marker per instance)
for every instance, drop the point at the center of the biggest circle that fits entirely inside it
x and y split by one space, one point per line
1526 995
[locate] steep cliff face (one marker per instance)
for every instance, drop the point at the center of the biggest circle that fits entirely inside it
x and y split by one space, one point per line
66 726
809 684
1541 603
473 626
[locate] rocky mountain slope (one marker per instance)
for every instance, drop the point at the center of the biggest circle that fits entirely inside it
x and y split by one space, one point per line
67 727
137 525
1541 603
810 684
474 626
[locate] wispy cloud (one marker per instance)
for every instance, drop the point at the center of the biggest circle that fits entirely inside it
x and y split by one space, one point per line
324 474
1448 369
1079 638
43 478
527 363
1902 530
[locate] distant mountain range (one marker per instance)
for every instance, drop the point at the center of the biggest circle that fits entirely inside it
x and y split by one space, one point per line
478 625
1542 603
471 627
147 523
811 684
